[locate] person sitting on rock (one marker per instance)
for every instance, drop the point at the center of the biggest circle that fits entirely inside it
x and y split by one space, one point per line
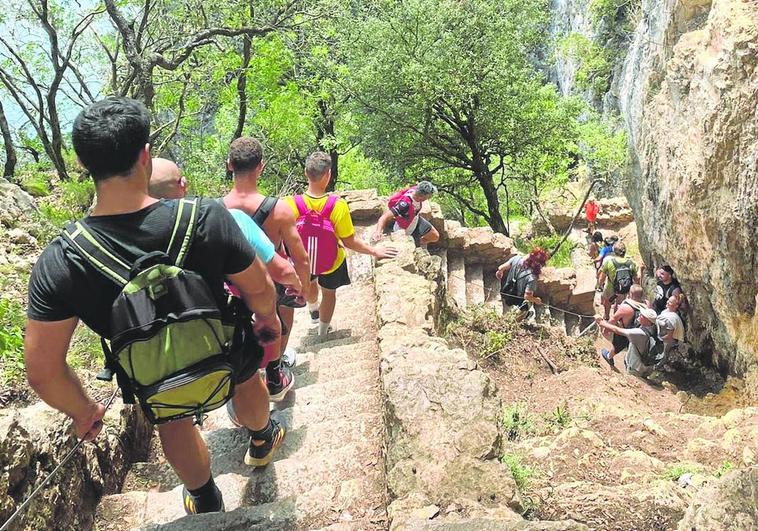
404 207
670 325
641 354
518 279
626 316
666 286
618 275
318 170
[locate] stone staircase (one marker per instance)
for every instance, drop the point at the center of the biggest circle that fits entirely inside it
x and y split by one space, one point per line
330 471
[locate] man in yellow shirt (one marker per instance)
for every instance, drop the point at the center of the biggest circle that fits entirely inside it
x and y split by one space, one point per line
318 170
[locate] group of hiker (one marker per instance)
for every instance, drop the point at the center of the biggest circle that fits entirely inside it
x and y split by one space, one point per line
647 329
193 298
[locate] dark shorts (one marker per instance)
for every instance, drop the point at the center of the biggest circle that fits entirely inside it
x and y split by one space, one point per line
619 343
423 227
246 354
335 279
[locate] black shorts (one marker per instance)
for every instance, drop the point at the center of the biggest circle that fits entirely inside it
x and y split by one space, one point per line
619 343
246 353
423 227
335 279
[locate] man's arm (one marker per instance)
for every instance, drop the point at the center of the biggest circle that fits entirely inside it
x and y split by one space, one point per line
259 295
608 326
282 271
504 268
381 224
529 296
359 246
45 348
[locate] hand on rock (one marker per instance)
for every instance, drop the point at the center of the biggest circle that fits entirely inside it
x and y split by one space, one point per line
499 274
385 252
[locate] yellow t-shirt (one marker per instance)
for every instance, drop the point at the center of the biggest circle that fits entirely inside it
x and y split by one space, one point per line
340 218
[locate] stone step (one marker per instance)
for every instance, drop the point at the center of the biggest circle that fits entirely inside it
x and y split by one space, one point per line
474 284
456 279
319 370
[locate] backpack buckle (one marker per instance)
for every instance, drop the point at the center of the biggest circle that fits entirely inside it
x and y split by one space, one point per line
105 375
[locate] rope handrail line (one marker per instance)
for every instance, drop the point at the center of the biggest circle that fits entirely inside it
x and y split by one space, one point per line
489 291
50 476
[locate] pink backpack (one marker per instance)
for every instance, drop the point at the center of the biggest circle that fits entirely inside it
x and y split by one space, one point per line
317 232
406 193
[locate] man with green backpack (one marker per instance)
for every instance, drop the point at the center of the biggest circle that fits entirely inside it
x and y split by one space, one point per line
148 277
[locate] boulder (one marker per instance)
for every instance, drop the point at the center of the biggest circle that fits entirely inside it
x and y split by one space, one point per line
35 439
364 205
14 203
729 503
689 106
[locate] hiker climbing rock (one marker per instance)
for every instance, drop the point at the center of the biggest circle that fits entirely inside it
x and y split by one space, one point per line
641 354
324 222
670 325
405 207
108 270
591 210
618 274
666 286
246 163
626 316
518 279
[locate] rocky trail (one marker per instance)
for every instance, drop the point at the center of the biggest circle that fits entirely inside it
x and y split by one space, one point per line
392 427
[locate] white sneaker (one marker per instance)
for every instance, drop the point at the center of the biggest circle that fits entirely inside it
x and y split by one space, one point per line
289 357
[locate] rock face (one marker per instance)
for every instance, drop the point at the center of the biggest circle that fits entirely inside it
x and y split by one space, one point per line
34 440
729 503
689 98
442 413
14 203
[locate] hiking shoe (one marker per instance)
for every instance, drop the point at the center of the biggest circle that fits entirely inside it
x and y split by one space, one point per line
259 456
289 357
314 316
196 504
606 354
277 390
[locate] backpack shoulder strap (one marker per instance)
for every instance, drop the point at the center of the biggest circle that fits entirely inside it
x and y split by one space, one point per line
302 208
267 206
185 219
329 206
89 247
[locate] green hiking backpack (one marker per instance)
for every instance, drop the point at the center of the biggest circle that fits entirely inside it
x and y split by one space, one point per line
170 345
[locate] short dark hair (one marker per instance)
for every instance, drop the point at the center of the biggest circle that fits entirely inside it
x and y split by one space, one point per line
245 153
317 164
109 135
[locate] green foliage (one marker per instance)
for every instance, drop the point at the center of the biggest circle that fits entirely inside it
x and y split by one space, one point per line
674 472
482 332
725 467
70 201
595 62
522 473
12 320
604 145
560 417
36 184
517 422
561 259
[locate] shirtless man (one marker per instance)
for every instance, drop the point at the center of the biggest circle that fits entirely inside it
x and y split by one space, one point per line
275 218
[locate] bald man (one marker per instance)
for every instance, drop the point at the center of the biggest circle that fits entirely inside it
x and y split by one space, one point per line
166 181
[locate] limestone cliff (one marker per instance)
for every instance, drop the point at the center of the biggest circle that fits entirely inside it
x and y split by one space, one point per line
687 91
689 99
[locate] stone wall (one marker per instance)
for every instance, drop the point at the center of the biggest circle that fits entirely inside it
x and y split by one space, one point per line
33 440
442 413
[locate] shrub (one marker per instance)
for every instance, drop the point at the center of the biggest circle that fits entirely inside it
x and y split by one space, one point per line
676 471
517 422
11 341
522 474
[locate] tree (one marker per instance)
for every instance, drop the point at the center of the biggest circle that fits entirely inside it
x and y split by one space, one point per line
37 70
449 87
10 151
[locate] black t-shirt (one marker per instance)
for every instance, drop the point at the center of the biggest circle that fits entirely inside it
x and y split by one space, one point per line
662 294
64 285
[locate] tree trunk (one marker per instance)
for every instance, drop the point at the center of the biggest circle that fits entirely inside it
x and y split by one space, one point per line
324 129
242 87
10 151
493 203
